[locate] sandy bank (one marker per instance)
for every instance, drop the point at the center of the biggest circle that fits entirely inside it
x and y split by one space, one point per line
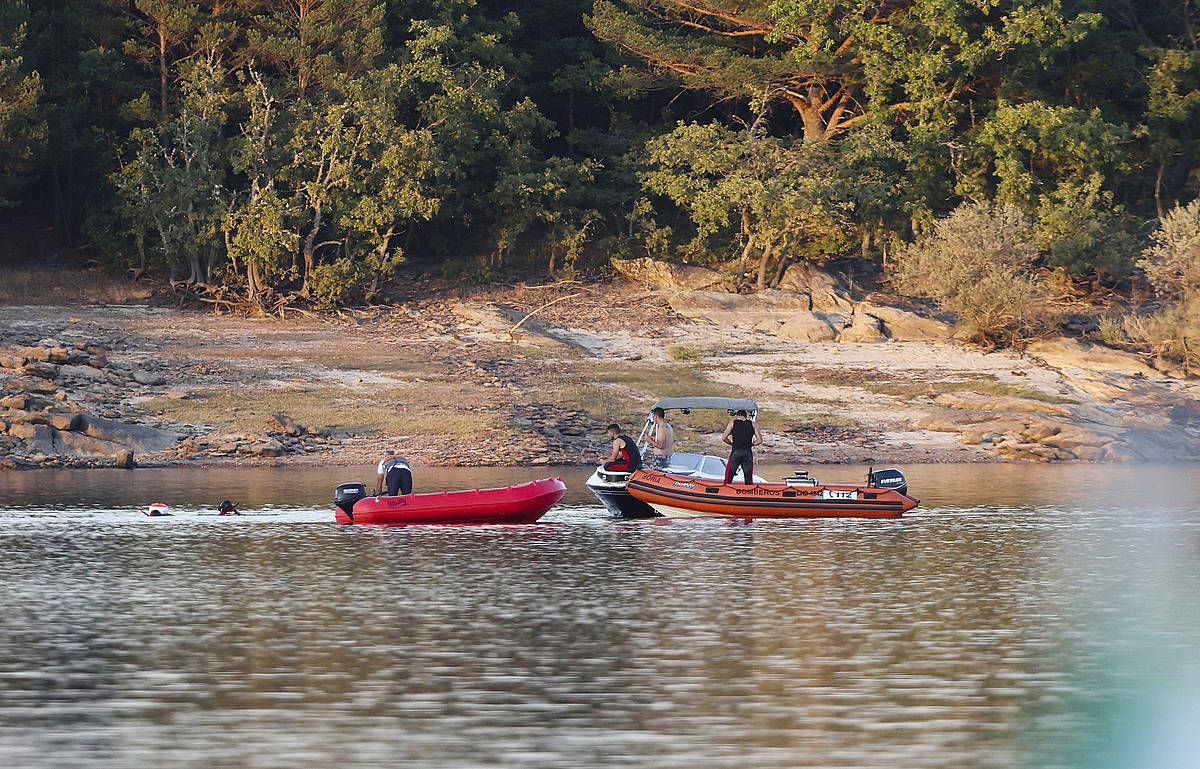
444 380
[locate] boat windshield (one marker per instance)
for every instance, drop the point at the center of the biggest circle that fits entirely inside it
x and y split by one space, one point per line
683 463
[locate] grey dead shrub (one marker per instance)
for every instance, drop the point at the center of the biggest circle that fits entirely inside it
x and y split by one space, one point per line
1172 260
1172 265
978 263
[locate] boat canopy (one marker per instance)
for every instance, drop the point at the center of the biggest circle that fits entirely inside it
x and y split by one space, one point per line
722 404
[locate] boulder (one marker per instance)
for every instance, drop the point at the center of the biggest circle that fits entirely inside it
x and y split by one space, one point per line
673 277
142 439
286 425
825 292
59 355
18 402
806 326
1071 353
739 310
81 372
863 329
79 445
39 369
30 384
34 353
124 460
906 326
271 448
12 361
65 421
149 378
36 437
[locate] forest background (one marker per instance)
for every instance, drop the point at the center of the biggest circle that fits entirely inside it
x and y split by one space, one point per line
310 147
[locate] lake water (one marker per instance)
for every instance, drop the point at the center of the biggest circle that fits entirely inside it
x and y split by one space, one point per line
1021 617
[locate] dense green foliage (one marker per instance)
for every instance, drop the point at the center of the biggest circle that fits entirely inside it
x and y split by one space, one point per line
314 145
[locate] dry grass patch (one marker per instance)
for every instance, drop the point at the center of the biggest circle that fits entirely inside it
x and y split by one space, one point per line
907 389
61 286
424 409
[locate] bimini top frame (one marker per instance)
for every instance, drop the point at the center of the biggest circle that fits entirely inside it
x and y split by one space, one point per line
721 404
729 405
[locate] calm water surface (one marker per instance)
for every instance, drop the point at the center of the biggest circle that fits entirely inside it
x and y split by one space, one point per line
1021 617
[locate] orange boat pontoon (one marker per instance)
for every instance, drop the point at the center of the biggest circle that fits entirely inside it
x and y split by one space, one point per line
885 495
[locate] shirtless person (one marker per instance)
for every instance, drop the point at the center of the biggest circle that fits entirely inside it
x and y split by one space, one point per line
661 440
394 473
625 457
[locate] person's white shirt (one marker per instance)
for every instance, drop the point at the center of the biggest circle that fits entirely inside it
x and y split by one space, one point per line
390 461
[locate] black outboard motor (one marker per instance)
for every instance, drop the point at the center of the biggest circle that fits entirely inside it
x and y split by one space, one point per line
347 494
890 478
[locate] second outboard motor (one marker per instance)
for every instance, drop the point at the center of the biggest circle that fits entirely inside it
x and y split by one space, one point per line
347 494
891 478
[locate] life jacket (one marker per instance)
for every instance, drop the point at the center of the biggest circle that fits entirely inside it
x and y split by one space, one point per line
743 434
629 451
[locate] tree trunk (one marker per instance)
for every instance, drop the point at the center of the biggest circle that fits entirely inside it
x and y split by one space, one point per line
1158 207
810 116
310 241
785 261
764 262
162 67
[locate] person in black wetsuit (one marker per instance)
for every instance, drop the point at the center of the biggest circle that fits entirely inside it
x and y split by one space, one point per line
743 435
625 457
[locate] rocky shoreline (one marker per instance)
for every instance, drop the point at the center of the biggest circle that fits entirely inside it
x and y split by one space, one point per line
841 377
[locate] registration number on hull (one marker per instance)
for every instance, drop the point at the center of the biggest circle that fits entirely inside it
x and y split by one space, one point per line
838 494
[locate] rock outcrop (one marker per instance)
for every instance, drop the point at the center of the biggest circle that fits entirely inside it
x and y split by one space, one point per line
804 326
42 390
653 273
863 329
739 310
824 291
904 325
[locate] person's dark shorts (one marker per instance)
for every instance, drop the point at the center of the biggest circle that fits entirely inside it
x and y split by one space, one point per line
399 481
656 461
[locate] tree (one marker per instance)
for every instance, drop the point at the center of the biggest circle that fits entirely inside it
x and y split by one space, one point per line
776 196
173 187
21 127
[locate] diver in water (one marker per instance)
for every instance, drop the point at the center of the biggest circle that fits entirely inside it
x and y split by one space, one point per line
227 508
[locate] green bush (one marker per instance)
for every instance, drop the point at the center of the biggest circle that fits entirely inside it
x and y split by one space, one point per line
978 263
331 284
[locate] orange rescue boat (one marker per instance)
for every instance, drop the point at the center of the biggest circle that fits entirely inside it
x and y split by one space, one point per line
884 495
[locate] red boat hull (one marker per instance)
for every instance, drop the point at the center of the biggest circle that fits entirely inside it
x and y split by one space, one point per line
521 503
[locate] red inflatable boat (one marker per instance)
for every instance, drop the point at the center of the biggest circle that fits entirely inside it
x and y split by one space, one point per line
521 503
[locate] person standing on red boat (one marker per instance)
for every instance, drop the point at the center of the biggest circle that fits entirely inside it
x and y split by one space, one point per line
625 457
394 474
742 435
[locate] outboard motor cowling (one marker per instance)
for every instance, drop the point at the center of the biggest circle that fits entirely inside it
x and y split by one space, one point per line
891 478
347 494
